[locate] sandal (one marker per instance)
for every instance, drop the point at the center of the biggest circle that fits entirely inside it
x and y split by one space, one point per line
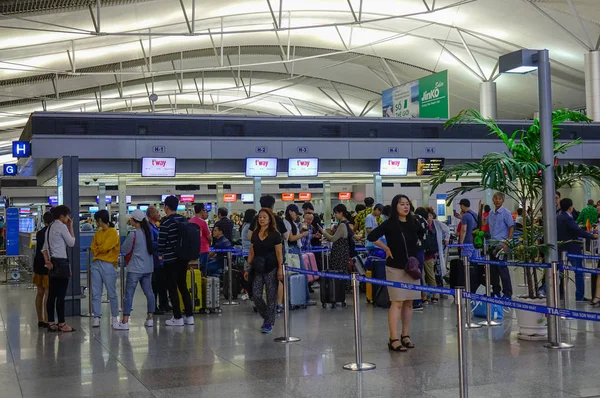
408 344
595 301
65 328
52 327
399 348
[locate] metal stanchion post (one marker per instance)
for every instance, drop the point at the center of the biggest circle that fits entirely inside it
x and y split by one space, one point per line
554 341
488 307
89 284
359 364
193 295
565 281
286 314
462 354
469 324
230 273
122 283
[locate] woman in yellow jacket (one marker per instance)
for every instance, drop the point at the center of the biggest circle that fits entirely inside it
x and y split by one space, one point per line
105 252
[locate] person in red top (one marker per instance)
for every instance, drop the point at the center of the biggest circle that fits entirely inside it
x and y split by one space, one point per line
205 236
485 227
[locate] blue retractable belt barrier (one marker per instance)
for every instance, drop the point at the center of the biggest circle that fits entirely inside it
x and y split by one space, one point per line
581 269
586 316
317 250
461 245
226 250
483 261
583 256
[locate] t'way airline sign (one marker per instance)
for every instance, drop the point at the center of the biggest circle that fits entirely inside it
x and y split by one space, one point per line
393 167
158 167
261 167
303 167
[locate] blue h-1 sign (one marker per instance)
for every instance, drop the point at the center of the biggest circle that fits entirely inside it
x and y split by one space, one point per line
21 149
10 169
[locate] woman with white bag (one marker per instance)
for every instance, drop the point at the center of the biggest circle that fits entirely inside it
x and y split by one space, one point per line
294 243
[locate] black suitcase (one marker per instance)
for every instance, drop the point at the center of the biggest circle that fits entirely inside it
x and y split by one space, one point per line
333 291
381 297
237 281
457 273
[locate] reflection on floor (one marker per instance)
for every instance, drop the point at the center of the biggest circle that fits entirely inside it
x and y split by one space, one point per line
226 356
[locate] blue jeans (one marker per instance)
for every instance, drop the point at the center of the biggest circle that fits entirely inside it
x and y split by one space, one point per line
104 273
145 281
579 279
203 260
296 250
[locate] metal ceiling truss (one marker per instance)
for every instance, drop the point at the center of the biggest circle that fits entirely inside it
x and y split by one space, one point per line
13 7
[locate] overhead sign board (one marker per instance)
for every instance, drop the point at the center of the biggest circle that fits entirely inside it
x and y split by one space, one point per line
345 195
187 198
288 196
423 98
21 149
247 197
261 167
393 166
107 199
158 167
306 167
10 169
304 196
53 200
229 197
429 166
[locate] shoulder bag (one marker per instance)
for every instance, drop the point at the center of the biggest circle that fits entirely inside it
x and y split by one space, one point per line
259 264
413 268
60 266
130 254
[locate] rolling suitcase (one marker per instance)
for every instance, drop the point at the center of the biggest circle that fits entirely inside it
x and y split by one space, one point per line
310 262
457 273
379 296
211 295
193 281
237 281
297 291
369 287
359 265
333 291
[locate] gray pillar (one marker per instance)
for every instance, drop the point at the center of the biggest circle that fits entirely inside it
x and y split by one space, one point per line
219 195
587 188
327 203
257 192
102 196
68 167
489 195
378 188
592 84
122 206
424 194
488 100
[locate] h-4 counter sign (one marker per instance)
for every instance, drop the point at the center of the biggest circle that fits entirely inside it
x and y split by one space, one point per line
423 98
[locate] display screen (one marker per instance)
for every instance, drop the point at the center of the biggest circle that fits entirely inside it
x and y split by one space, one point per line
131 208
427 167
261 167
229 197
93 209
345 195
303 167
247 197
393 167
187 198
107 199
24 210
180 207
144 208
304 196
158 167
163 197
208 206
53 200
287 196
127 199
26 224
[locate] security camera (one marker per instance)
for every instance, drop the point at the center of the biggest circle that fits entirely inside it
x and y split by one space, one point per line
95 179
87 183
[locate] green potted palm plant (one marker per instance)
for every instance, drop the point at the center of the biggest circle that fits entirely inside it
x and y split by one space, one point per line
517 172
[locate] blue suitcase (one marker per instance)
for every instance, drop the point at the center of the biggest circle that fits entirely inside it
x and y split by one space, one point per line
381 297
297 291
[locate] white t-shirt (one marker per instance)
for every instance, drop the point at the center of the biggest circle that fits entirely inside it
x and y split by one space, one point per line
58 240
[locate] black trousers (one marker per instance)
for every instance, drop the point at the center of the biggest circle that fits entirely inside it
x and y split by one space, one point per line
56 299
498 273
176 280
159 287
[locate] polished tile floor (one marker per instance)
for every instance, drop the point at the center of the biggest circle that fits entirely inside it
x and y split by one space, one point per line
226 356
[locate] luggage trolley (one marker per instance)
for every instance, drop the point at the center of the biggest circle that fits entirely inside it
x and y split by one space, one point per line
16 269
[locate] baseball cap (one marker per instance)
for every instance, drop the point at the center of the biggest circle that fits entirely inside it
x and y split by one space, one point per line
137 215
378 206
465 202
294 208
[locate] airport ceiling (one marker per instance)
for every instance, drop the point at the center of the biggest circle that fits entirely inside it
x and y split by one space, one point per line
278 57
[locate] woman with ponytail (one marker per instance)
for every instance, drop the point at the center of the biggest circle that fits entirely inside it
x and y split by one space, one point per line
105 252
139 250
340 250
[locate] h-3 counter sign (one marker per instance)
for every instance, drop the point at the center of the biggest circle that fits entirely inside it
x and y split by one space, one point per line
423 98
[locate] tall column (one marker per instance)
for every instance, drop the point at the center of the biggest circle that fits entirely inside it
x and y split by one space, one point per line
489 195
592 84
122 206
219 195
327 203
102 196
587 189
424 194
378 188
257 192
488 100
68 178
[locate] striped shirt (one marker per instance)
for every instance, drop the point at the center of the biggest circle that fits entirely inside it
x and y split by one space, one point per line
168 237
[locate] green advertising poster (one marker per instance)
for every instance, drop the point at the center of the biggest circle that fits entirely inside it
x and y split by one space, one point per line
423 98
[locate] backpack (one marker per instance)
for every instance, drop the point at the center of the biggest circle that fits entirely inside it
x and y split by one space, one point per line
431 244
351 244
188 241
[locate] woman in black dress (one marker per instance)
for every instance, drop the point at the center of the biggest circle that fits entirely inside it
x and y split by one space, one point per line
340 249
402 233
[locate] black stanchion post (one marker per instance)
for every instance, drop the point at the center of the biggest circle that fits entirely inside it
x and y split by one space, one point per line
230 274
89 314
488 292
286 314
469 323
462 354
359 365
554 339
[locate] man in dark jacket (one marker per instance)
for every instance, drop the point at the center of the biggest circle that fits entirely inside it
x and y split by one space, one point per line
568 230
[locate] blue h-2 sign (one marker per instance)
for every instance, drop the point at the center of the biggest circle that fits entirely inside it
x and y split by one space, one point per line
10 169
21 149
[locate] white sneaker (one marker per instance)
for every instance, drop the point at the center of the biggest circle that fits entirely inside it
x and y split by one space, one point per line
188 320
96 322
174 322
149 323
121 326
114 319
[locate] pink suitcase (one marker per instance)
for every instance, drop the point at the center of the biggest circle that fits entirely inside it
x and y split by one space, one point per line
311 263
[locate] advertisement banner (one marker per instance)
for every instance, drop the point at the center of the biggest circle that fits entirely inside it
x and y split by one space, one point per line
423 98
12 231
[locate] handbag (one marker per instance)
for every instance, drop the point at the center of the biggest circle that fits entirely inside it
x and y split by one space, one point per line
258 264
413 267
480 308
130 254
60 266
293 260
